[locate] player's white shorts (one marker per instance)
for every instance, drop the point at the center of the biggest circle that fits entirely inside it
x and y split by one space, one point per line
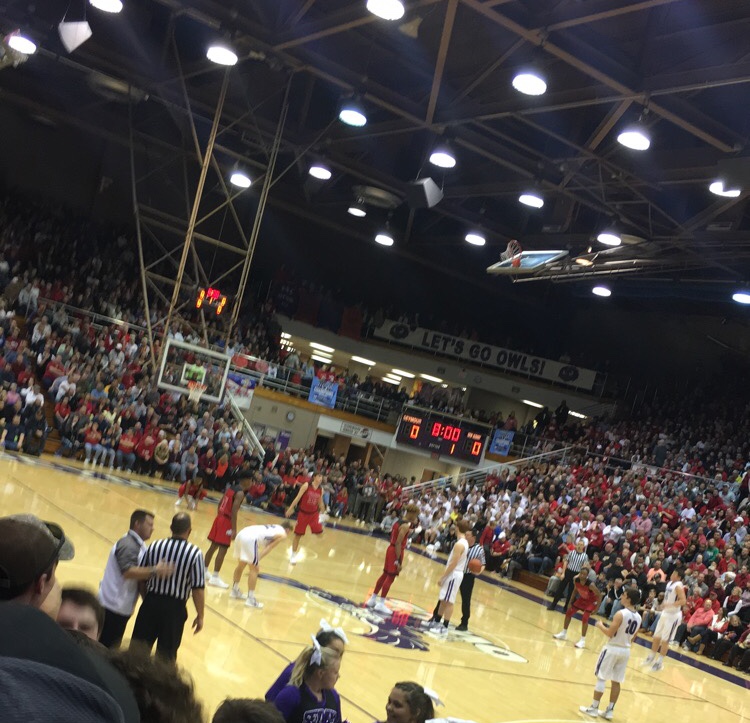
667 626
246 548
612 663
449 589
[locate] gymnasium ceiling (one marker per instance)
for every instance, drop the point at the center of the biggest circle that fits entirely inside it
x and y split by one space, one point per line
442 72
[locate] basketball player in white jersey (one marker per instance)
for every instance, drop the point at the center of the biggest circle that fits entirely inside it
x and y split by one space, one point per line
669 620
251 545
613 660
451 579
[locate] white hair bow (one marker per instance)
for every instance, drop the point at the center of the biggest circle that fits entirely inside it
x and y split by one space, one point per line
326 627
433 696
317 654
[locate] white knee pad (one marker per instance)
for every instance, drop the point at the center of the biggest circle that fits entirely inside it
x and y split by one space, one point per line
601 685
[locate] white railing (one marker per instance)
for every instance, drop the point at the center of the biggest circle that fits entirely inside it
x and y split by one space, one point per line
479 475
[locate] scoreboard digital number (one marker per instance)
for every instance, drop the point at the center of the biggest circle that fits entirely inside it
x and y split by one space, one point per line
448 437
212 299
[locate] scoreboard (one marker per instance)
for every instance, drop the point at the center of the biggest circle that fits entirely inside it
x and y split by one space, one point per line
445 435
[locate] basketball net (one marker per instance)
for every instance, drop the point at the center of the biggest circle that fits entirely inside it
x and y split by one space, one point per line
195 391
512 253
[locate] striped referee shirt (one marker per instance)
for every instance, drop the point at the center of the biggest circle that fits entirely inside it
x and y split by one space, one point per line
576 560
189 568
476 552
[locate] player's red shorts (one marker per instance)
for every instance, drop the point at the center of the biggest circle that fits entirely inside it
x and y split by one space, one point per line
192 491
391 558
219 529
305 520
584 605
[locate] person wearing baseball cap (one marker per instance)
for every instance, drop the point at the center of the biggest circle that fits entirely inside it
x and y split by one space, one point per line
29 552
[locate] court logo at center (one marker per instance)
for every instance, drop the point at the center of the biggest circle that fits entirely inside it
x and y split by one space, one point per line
405 628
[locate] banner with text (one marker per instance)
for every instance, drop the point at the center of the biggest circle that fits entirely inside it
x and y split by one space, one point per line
501 442
323 393
241 387
490 356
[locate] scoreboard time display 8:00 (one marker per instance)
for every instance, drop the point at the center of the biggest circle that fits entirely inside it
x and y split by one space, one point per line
448 437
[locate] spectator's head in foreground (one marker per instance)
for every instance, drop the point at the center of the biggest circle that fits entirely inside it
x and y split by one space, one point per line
245 710
81 610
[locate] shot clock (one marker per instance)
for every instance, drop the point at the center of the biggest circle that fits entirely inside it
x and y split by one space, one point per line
212 299
445 435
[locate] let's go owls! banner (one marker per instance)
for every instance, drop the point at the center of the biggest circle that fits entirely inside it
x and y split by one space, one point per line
495 357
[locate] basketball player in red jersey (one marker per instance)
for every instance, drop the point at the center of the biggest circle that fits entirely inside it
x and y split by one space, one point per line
394 560
586 599
310 501
225 527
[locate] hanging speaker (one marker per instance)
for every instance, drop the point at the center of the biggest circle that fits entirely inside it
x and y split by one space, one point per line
73 35
423 193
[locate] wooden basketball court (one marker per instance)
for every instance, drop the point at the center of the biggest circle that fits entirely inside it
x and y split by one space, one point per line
509 669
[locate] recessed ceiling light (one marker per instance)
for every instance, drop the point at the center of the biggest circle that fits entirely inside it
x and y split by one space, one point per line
352 113
319 171
284 335
384 239
402 373
530 81
221 54
429 378
602 291
107 6
717 187
741 297
357 209
322 359
240 179
321 347
582 261
609 237
21 44
532 404
443 156
577 414
362 360
531 198
386 9
391 381
635 136
475 239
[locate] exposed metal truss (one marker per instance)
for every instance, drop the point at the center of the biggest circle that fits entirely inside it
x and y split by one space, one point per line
443 71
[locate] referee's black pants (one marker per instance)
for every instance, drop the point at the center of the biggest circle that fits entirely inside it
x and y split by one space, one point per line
467 588
565 584
161 620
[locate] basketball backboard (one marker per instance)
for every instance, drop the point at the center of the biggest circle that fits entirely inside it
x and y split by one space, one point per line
531 262
183 363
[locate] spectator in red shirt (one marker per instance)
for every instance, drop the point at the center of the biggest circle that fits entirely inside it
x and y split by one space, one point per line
125 454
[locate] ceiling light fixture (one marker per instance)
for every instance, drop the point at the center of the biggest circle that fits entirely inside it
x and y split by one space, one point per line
443 156
107 6
362 360
635 136
578 415
384 238
352 113
221 54
741 297
386 9
322 359
21 44
320 171
285 335
717 188
603 291
391 381
583 261
429 378
532 404
322 347
240 179
531 198
530 81
357 209
475 238
402 373
609 237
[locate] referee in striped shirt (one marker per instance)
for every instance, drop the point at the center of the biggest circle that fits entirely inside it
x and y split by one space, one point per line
162 615
574 561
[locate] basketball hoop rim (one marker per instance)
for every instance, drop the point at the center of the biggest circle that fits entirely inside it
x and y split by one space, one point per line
195 390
